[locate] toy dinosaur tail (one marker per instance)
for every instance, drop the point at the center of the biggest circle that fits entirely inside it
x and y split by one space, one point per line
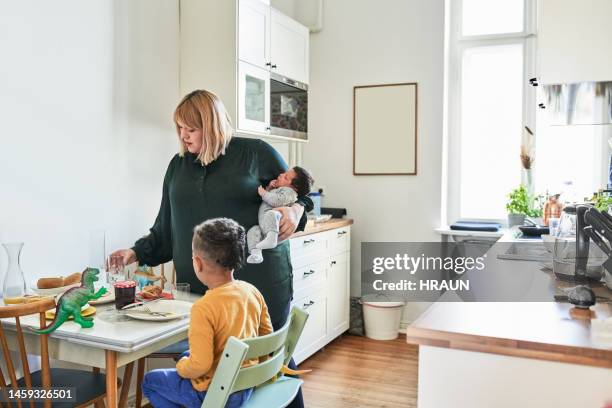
57 322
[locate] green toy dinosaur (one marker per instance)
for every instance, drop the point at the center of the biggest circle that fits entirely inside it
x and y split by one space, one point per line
70 303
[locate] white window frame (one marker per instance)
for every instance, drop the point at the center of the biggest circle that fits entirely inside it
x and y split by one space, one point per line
456 44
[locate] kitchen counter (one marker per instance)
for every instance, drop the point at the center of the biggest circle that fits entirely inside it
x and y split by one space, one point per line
538 330
313 228
544 349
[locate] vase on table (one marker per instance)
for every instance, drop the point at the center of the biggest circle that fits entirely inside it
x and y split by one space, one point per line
14 284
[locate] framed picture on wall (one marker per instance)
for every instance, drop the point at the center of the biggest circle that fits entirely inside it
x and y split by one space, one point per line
385 129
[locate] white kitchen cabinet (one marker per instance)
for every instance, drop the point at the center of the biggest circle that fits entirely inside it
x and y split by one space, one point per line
254 32
289 47
321 277
573 41
226 47
338 294
253 98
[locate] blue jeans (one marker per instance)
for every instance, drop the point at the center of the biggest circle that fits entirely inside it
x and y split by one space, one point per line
166 389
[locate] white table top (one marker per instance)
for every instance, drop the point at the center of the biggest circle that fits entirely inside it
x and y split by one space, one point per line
124 336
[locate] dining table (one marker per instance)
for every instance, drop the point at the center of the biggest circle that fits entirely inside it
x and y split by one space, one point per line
114 341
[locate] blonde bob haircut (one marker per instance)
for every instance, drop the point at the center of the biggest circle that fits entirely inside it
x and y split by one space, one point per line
204 110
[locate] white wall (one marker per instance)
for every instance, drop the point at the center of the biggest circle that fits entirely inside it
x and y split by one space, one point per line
363 43
87 91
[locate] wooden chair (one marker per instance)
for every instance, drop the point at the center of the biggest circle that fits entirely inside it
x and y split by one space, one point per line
273 389
91 385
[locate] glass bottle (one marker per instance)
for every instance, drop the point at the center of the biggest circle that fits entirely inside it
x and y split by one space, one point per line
14 281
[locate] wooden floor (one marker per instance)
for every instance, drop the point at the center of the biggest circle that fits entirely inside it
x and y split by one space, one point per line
354 371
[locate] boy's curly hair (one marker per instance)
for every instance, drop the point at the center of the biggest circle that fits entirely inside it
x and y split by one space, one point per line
221 240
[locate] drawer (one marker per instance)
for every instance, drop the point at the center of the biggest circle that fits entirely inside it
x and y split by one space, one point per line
299 262
308 245
339 240
309 275
315 331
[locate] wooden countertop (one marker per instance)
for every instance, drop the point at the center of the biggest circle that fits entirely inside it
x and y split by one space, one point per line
312 228
539 330
532 328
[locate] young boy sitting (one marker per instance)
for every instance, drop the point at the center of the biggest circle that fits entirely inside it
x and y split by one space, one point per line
229 308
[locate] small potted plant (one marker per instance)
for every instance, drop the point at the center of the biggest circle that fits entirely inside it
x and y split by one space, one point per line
520 205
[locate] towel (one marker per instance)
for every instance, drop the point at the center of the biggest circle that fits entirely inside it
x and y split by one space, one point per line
476 226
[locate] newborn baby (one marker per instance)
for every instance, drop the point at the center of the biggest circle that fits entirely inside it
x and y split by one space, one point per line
281 192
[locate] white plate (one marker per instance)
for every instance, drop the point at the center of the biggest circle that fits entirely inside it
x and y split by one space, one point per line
177 308
55 291
108 297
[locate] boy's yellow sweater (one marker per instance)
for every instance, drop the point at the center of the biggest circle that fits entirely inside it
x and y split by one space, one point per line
234 309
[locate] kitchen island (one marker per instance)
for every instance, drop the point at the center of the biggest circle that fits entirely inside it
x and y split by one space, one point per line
512 354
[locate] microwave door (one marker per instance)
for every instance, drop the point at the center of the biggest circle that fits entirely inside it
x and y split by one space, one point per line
288 110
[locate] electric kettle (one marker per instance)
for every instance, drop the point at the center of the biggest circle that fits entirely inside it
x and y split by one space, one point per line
567 223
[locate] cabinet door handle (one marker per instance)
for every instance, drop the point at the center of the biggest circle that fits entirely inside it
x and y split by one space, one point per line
308 241
268 64
307 305
268 128
340 233
273 66
333 262
307 274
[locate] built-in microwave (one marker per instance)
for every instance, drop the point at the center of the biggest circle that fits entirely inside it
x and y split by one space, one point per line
288 107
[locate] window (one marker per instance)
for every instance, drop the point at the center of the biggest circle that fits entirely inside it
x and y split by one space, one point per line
490 59
491 119
485 17
491 56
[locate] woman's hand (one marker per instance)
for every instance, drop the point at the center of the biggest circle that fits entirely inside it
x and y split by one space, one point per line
127 256
261 191
289 221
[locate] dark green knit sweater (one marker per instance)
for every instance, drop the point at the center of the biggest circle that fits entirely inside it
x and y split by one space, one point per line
227 187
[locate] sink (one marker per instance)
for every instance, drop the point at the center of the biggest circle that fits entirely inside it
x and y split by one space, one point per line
527 251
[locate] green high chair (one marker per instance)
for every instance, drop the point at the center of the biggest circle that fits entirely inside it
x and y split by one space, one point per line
273 390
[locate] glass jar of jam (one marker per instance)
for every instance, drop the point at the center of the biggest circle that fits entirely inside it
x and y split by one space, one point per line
125 293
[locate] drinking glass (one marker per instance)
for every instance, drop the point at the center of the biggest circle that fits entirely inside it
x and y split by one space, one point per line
183 291
170 288
116 269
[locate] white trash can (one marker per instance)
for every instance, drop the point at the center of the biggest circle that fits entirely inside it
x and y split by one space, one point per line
382 319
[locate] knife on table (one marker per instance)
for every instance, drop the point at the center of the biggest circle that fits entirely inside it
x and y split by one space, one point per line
137 304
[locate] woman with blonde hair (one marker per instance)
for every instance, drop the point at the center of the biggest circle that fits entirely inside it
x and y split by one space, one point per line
216 174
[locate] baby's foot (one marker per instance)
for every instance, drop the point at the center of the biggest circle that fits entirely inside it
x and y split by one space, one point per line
269 241
256 256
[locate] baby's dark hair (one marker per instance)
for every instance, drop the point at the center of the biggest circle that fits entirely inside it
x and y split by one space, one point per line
221 240
302 182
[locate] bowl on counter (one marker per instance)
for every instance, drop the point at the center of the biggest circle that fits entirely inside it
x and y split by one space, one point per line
534 230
